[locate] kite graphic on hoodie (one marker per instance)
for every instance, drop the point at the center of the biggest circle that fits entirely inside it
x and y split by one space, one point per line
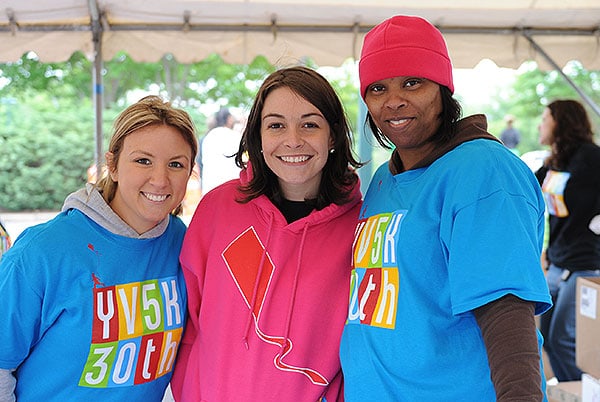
252 270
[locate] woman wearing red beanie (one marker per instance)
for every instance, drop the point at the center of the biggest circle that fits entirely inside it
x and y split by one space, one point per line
446 273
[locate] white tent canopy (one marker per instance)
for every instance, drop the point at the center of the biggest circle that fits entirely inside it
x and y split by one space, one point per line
285 31
509 32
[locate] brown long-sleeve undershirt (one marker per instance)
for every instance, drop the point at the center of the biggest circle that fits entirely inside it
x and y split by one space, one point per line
509 333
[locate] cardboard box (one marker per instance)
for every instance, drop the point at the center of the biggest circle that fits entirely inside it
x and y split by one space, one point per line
590 388
587 349
567 391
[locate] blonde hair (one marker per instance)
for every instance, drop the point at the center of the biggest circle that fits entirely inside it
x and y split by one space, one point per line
148 111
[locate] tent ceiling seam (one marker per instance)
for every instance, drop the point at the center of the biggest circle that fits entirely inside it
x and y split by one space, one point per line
273 26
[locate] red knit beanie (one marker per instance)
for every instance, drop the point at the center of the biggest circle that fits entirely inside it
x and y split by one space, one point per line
404 46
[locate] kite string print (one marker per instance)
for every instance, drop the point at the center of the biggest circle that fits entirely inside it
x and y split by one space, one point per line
251 268
95 279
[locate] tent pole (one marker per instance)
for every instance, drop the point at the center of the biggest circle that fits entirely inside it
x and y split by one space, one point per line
98 104
583 95
97 84
365 149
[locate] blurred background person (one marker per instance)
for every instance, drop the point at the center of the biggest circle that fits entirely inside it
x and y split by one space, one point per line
570 179
510 136
218 148
5 241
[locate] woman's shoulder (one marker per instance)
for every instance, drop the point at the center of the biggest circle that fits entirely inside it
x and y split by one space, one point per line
586 159
488 163
591 151
223 192
47 237
63 223
177 224
484 154
222 201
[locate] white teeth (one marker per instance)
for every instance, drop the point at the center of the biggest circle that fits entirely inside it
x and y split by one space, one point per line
294 159
398 121
155 197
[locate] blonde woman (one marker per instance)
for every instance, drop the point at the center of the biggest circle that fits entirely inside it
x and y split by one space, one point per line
94 300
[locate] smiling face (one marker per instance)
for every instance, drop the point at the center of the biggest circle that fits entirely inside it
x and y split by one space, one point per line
295 142
406 110
152 173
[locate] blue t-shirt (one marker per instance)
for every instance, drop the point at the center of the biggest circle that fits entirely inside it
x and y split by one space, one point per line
89 315
433 244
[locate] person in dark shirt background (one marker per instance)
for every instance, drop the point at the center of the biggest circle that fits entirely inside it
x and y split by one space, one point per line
571 186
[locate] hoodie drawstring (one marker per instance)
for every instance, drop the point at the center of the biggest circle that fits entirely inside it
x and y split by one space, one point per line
288 320
256 283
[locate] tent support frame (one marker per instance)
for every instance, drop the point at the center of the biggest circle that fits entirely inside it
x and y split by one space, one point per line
98 84
545 55
98 25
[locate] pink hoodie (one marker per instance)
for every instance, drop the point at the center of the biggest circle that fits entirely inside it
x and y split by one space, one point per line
271 333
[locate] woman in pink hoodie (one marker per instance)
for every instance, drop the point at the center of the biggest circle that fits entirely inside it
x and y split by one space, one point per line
267 257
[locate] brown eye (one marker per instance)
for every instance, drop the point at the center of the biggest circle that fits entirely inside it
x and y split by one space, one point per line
376 88
412 82
176 164
143 161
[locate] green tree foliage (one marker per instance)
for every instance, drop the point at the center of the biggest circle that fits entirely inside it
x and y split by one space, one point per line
213 79
47 115
71 78
47 145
